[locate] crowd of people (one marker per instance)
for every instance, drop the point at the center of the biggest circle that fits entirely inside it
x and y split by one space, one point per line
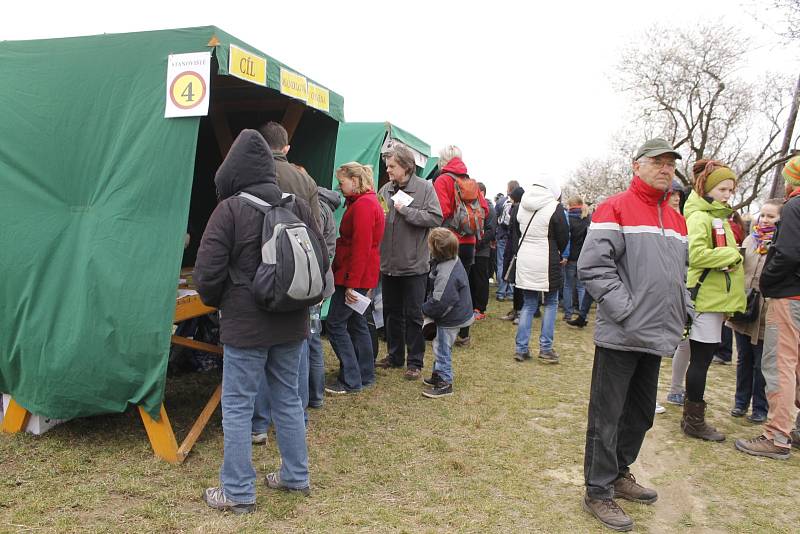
670 272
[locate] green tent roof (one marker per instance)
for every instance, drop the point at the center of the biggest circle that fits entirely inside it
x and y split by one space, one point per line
96 187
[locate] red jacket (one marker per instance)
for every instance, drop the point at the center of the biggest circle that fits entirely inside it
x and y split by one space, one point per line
445 190
357 261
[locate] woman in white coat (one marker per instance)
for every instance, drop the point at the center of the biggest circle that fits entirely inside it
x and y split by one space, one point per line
545 236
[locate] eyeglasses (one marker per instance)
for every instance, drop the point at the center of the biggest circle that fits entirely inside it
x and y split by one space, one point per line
659 163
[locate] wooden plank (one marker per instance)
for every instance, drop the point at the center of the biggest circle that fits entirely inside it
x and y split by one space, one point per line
291 117
199 345
191 307
200 423
161 436
16 418
222 130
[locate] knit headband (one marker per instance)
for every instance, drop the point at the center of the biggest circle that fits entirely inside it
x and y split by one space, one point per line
718 176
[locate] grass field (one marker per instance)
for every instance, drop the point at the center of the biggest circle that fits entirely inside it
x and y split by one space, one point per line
503 454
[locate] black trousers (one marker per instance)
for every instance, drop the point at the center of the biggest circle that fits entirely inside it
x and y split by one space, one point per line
402 318
622 406
479 283
466 253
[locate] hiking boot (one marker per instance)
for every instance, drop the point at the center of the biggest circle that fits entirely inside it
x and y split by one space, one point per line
442 389
694 424
763 446
412 373
580 322
510 316
609 513
676 398
757 418
626 487
216 499
522 356
462 341
433 380
738 412
259 438
386 363
795 437
273 481
548 356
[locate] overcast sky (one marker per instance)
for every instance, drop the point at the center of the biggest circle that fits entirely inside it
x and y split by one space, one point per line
523 90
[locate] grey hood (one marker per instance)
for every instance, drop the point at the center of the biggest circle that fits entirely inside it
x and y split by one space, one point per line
331 198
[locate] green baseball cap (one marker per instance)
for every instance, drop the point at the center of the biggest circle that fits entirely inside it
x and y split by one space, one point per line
656 147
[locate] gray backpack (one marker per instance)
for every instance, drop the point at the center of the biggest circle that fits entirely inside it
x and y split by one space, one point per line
290 276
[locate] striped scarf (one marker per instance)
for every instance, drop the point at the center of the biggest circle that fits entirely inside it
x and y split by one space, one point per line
763 237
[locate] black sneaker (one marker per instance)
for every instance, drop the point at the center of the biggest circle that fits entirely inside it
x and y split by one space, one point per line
442 389
433 380
337 388
522 356
580 322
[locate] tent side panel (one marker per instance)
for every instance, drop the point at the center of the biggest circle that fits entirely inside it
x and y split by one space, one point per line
96 186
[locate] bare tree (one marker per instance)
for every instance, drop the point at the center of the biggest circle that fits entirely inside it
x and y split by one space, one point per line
596 179
688 89
791 8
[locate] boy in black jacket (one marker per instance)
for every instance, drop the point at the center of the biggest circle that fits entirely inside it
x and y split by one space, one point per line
449 304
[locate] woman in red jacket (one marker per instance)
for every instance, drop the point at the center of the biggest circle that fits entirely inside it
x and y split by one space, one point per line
356 269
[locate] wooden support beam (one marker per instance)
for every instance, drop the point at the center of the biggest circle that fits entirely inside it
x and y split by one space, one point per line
291 117
198 345
200 424
162 438
16 418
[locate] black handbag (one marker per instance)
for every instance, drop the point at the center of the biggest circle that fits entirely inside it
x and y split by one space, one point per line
750 313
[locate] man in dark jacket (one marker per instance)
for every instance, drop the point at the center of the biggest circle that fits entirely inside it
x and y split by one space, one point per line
780 362
503 237
578 224
633 263
255 341
479 274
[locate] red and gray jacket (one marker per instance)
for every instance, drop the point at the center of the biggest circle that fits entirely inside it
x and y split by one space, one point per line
633 263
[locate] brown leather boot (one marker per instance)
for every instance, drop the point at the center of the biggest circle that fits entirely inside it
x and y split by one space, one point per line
694 424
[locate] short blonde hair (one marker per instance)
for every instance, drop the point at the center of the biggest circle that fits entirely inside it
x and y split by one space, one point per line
447 153
360 174
443 244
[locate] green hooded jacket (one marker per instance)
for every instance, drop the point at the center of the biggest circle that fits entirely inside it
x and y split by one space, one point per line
721 291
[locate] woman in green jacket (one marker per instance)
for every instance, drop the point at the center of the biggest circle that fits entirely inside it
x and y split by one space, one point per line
715 281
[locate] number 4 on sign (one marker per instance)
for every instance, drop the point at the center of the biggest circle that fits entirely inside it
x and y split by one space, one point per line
187 85
187 93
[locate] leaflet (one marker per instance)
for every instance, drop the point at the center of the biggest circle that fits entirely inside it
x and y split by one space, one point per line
402 198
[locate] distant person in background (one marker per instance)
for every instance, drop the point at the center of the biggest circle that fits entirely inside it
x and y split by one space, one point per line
453 169
578 224
480 272
502 234
509 266
404 260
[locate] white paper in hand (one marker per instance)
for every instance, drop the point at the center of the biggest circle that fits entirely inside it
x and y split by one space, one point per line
402 198
361 304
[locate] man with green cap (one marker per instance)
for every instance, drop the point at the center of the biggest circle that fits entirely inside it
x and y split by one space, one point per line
780 362
633 263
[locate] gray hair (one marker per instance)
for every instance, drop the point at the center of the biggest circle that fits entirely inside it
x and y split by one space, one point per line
404 157
447 153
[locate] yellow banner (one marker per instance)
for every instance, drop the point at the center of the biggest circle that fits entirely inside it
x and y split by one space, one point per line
294 85
318 97
247 66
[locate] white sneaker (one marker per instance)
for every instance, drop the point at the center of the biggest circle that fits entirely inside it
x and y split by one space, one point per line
259 439
660 409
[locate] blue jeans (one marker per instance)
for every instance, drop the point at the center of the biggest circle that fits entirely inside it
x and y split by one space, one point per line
585 305
262 419
504 289
316 371
571 281
549 310
443 351
242 371
353 347
749 379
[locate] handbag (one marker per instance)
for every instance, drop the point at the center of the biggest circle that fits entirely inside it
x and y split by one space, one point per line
750 313
510 274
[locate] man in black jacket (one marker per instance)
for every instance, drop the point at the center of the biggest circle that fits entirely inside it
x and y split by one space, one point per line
480 272
255 341
780 362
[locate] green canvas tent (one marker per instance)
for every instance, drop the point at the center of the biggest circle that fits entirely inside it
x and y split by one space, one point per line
97 189
364 142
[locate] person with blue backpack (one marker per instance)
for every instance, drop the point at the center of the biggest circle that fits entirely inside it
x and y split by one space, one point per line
263 324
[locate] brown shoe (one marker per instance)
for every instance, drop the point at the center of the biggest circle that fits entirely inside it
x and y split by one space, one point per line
386 363
462 341
763 446
510 316
412 374
626 487
609 513
694 423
